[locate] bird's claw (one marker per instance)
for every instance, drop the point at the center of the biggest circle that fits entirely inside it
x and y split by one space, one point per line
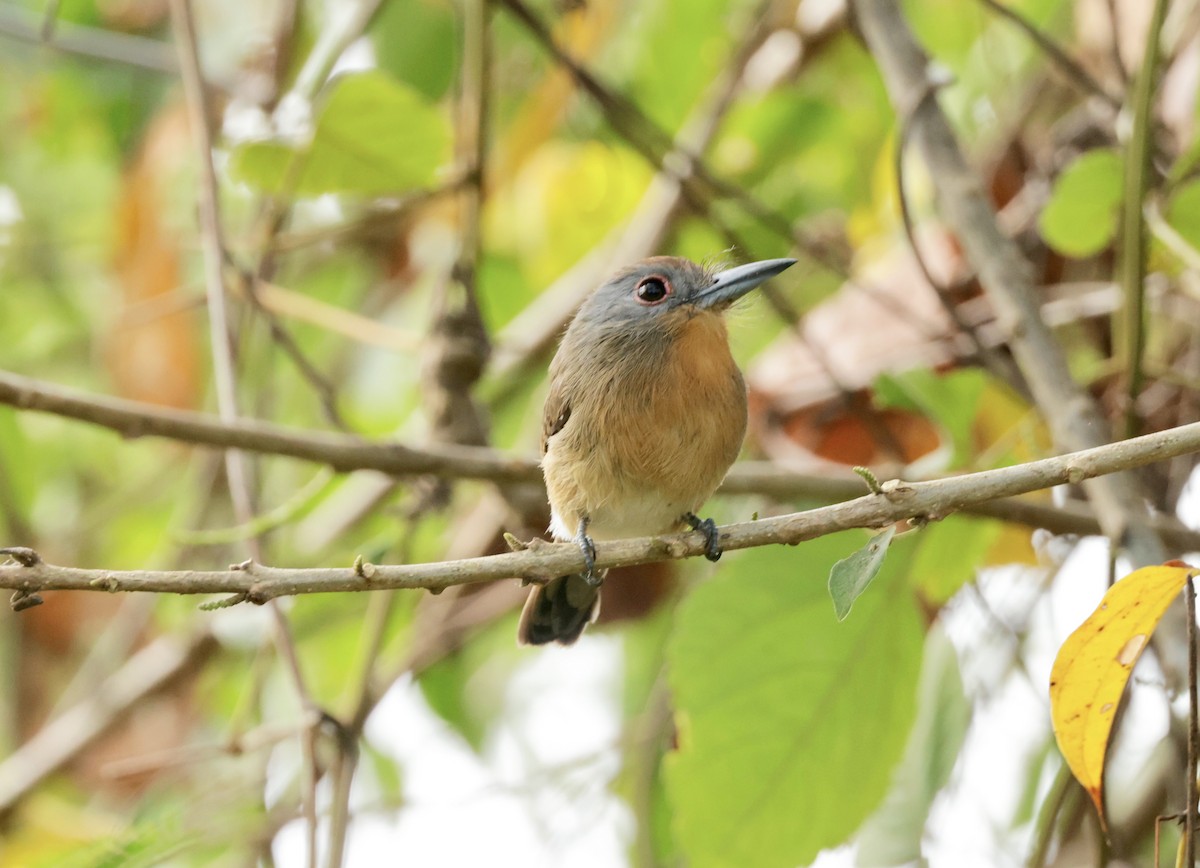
588 548
708 527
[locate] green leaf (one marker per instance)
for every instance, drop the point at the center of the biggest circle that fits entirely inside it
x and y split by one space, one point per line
418 42
892 835
1183 212
948 554
851 576
1081 217
373 136
778 754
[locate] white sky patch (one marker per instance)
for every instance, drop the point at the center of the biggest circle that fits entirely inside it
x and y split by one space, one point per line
538 794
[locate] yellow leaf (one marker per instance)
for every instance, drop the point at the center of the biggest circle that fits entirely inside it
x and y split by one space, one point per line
1093 666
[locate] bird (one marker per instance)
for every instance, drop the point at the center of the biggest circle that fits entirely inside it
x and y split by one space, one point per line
645 413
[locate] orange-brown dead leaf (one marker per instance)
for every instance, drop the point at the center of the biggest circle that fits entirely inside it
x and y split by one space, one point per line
1093 667
153 352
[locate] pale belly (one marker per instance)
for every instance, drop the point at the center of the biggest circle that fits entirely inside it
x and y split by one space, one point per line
643 513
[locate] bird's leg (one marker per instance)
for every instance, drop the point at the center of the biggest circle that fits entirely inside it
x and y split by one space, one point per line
589 554
708 527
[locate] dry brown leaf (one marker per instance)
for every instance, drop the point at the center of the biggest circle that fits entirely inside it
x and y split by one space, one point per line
153 351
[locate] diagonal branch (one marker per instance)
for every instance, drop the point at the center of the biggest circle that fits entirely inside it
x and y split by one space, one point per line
341 452
1074 419
1076 74
655 145
896 501
157 667
110 46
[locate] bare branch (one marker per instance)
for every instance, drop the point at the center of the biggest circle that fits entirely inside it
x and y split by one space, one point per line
341 452
94 43
897 501
1074 419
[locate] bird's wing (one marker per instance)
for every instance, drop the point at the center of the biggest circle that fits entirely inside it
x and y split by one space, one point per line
555 414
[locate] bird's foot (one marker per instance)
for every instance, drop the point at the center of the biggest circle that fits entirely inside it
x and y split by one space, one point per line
708 527
593 578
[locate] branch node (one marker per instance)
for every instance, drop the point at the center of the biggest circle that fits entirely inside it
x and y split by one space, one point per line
22 600
896 489
1075 474
23 555
436 591
106 583
869 478
246 566
226 603
514 544
363 569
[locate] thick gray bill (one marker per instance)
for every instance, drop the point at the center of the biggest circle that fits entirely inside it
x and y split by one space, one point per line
733 283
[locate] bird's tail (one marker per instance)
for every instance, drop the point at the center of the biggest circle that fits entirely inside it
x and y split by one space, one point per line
558 611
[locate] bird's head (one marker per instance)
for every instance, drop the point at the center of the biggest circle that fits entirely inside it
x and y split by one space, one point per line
663 292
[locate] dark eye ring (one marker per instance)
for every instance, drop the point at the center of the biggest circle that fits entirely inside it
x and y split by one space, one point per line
652 290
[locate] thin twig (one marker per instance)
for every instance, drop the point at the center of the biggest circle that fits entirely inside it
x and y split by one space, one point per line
109 46
1074 73
1047 818
1138 154
657 147
224 374
325 390
1000 366
896 502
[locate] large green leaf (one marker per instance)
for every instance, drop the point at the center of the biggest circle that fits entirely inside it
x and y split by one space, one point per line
1081 216
789 722
374 136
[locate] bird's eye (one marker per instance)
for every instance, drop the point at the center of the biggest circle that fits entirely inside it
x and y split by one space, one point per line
652 290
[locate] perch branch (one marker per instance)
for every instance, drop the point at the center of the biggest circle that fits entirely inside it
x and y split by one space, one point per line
896 501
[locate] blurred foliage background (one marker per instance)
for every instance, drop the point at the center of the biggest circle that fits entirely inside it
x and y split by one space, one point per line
415 194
